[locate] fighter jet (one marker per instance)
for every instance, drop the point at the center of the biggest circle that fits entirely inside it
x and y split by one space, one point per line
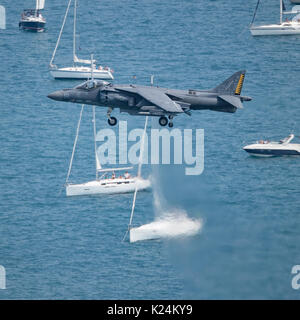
156 101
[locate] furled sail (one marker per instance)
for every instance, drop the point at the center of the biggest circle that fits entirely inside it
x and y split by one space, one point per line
85 61
98 165
40 4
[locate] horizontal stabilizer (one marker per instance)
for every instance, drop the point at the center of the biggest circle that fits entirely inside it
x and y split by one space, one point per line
233 100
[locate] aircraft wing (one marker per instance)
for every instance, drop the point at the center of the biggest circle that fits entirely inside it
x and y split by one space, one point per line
156 97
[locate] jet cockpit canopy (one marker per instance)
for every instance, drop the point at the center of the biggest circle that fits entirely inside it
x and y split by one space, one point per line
90 84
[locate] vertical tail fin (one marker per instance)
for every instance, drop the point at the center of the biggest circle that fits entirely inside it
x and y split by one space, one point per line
233 85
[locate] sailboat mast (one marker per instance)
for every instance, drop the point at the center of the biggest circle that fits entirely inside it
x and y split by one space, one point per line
280 11
36 7
74 31
92 65
95 143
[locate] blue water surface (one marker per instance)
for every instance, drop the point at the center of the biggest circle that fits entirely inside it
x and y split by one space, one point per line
55 247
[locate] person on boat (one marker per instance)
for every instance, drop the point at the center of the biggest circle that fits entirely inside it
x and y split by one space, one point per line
126 175
113 176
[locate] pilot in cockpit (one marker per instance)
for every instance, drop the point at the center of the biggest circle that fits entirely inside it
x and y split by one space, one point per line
90 84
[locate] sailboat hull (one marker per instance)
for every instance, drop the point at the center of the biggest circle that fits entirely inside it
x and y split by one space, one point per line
107 186
274 30
35 26
81 73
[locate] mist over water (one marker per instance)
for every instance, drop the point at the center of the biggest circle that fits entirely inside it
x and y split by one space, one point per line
168 223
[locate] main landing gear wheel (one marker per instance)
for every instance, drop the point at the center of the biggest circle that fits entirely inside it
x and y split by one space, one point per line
112 121
163 121
171 121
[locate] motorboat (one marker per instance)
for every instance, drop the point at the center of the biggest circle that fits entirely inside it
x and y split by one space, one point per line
265 148
287 27
32 19
81 68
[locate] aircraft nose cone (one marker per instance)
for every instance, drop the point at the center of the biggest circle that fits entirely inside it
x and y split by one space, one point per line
56 95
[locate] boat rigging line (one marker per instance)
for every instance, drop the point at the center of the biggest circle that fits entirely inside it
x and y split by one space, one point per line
60 33
74 145
255 12
139 174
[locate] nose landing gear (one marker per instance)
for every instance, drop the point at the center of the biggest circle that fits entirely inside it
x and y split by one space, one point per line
112 121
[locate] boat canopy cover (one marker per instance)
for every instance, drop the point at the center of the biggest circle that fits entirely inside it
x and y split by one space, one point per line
28 12
296 9
287 139
297 17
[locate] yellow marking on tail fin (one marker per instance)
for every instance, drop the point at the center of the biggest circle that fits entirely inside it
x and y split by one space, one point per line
240 84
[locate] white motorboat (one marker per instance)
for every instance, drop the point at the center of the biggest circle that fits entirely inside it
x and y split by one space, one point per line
288 27
32 19
272 148
108 182
81 68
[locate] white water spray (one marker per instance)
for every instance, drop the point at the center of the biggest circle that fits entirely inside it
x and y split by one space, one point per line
169 223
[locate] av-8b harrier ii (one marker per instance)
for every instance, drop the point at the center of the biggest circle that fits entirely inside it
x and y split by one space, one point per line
156 101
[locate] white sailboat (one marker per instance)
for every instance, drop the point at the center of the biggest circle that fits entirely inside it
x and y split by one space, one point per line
288 27
32 19
81 68
106 181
